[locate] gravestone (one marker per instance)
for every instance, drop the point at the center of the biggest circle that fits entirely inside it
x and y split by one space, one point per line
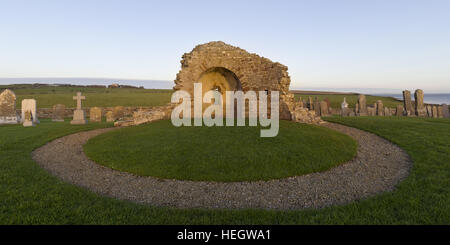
109 116
30 105
344 104
380 109
445 112
78 114
317 106
435 112
407 103
118 112
387 112
59 112
352 113
371 111
362 105
420 108
8 114
399 111
310 104
328 104
439 111
28 120
95 114
300 103
429 110
323 108
345 111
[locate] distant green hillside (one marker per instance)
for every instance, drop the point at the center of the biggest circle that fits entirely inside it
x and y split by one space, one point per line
47 96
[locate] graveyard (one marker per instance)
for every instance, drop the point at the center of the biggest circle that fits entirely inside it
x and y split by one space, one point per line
112 155
30 195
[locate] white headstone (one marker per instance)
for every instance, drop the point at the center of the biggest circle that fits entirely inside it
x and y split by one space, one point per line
28 119
344 104
29 105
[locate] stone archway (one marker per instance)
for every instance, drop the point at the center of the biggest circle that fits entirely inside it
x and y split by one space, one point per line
221 79
217 62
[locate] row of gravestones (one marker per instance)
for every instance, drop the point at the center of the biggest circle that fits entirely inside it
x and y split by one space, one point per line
321 108
8 114
419 109
59 112
361 109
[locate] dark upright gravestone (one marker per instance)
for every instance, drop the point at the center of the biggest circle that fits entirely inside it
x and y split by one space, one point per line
407 103
445 112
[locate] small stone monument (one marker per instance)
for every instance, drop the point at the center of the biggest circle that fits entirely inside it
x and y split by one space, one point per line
445 112
439 111
59 112
95 114
317 106
344 104
344 108
8 114
29 105
429 110
300 103
420 107
28 119
328 104
387 111
399 111
361 105
310 104
118 112
407 103
109 116
78 114
372 111
323 108
352 113
435 111
380 109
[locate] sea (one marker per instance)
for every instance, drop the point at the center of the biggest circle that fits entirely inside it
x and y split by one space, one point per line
429 98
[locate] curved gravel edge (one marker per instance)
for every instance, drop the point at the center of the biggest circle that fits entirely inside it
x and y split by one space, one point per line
378 167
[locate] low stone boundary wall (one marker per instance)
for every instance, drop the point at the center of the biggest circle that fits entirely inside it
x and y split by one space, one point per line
68 112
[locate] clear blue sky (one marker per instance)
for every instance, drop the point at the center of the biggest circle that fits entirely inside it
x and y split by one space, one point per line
351 44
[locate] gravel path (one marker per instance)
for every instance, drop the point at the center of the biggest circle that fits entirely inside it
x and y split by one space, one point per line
378 167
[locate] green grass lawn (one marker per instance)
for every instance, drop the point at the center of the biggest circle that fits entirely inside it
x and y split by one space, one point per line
220 153
30 195
47 96
337 99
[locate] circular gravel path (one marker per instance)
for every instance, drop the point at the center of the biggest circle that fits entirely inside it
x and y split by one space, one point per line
378 167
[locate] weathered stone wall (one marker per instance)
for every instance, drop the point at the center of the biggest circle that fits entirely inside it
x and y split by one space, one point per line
68 112
146 115
252 71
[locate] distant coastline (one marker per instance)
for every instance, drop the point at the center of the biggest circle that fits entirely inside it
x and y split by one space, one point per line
148 84
430 98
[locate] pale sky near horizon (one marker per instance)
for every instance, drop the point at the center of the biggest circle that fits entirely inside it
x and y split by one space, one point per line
352 44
